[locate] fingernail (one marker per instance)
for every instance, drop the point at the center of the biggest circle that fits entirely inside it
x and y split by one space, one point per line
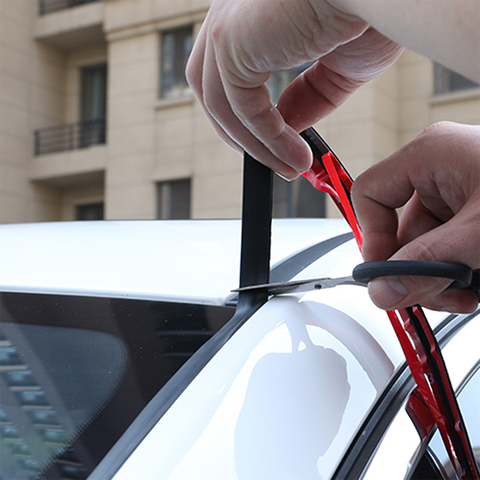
451 309
387 292
297 154
283 177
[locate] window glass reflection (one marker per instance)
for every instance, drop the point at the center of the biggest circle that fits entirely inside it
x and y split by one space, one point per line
75 372
44 379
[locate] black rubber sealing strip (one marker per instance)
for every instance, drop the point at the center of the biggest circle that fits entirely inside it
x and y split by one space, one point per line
319 147
256 225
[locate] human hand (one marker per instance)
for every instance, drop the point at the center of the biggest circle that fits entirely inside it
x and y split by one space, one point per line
437 177
243 41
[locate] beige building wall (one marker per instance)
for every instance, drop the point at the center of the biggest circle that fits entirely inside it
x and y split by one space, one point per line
32 86
149 139
154 140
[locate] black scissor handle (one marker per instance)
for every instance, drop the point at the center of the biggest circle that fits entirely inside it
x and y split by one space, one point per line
462 276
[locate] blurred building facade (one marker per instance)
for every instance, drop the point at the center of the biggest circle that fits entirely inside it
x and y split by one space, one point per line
97 120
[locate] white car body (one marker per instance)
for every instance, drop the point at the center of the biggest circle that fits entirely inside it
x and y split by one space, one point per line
285 394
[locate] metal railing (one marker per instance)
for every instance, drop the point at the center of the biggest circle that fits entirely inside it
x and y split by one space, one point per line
71 136
49 6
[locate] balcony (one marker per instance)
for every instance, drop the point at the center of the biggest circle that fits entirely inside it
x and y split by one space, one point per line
49 6
71 136
67 28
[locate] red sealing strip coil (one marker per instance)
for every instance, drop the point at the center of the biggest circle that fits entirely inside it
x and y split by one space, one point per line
416 338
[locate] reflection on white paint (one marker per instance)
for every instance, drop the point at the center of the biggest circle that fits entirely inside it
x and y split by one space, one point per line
281 400
396 450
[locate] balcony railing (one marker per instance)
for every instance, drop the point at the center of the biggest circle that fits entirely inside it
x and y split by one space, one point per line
71 136
49 6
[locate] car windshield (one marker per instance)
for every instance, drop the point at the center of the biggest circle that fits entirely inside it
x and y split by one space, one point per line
75 372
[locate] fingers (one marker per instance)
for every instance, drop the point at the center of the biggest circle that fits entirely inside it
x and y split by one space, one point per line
202 74
399 292
392 294
313 95
441 221
376 195
445 243
456 241
290 155
241 111
238 48
330 81
450 242
261 128
195 77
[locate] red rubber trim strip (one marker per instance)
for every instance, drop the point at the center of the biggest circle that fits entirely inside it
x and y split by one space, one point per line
438 395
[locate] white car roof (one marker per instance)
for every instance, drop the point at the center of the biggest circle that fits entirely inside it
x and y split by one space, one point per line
195 261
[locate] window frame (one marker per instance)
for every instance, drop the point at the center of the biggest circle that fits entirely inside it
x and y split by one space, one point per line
175 88
444 81
168 207
96 207
85 71
294 200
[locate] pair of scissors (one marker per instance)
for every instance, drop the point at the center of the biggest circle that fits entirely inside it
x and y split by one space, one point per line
461 276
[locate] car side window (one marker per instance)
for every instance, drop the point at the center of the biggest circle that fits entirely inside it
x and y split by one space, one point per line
75 373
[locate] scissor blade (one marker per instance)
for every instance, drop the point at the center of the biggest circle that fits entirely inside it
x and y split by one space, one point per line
298 286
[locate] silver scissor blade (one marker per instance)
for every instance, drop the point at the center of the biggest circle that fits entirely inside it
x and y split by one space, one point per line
297 286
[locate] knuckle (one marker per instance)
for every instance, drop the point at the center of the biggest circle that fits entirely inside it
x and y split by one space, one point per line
421 250
210 105
359 185
191 74
439 130
217 29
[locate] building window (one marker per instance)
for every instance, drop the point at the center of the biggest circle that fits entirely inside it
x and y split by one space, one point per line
48 6
176 47
446 81
173 200
297 199
90 211
280 80
93 108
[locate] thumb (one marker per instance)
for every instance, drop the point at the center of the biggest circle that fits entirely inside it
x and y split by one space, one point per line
446 243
